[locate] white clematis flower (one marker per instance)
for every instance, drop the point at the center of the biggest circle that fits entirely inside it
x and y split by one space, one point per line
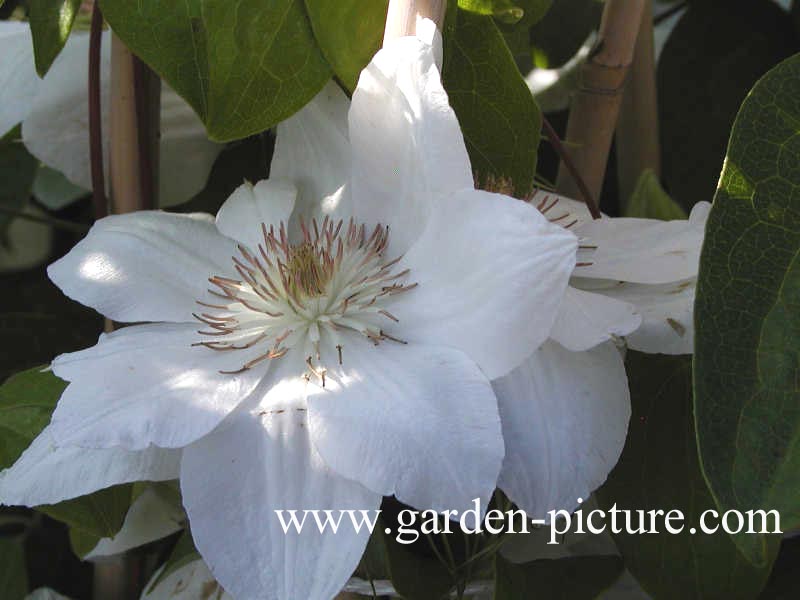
565 411
55 116
345 347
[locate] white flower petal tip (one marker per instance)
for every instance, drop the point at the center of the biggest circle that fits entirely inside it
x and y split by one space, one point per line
268 202
167 390
428 33
19 83
587 319
642 250
227 479
151 517
667 314
47 474
565 418
389 406
145 266
407 145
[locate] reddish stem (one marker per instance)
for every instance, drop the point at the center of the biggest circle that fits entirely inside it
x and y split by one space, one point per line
591 203
95 118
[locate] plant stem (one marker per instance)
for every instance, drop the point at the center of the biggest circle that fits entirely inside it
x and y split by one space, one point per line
401 18
596 104
637 129
587 196
95 116
134 131
46 220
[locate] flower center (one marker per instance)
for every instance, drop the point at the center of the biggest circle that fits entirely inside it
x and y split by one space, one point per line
306 295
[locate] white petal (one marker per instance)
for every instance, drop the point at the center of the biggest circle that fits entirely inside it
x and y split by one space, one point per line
586 320
145 266
491 272
667 313
56 128
565 416
417 422
268 202
147 384
47 474
312 149
407 145
149 518
190 582
259 461
561 210
186 154
642 250
18 79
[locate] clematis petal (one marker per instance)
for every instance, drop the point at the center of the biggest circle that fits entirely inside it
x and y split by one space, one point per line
667 313
145 266
18 79
186 155
56 128
561 210
150 518
189 582
261 461
268 202
418 422
407 145
643 250
164 390
312 150
585 320
492 273
565 417
47 474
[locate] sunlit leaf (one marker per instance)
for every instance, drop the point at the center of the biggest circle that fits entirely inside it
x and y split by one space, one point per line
498 115
243 65
51 23
349 32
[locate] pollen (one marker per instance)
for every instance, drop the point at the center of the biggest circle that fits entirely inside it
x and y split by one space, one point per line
332 283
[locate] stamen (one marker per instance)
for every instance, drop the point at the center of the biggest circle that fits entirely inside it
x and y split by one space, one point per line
334 279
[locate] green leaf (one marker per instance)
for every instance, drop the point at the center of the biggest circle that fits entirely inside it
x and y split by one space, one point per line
99 514
659 470
505 11
650 201
747 312
13 575
27 400
578 578
498 115
349 32
711 60
182 554
243 65
17 171
518 34
51 23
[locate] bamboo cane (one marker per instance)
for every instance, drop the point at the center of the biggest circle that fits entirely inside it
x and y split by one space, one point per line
637 141
596 104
